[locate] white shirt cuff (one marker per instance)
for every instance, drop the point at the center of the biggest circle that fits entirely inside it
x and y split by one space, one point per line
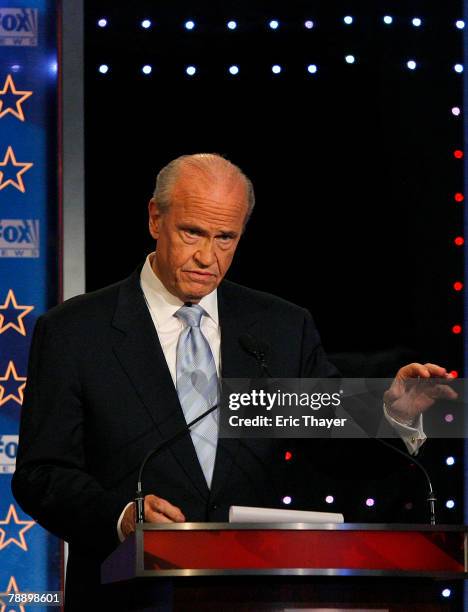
412 435
119 522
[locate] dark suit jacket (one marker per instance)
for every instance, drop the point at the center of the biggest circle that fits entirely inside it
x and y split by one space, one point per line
100 395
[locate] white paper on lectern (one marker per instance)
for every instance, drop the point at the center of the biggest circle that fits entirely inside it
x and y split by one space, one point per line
249 514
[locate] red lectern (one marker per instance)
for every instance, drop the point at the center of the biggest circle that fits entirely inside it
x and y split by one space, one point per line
286 567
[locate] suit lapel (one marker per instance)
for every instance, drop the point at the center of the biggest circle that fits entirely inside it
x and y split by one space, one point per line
235 319
141 356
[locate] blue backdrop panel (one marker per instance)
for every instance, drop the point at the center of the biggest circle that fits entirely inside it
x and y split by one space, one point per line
30 558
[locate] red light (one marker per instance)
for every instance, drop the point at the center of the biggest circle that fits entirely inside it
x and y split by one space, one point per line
457 329
288 456
458 286
459 240
458 154
459 197
454 374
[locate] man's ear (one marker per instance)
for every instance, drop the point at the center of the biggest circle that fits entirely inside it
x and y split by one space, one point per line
154 218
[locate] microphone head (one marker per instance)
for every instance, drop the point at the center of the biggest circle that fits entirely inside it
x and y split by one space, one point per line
253 346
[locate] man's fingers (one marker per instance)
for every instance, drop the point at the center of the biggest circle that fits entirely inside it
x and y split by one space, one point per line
161 506
156 517
427 370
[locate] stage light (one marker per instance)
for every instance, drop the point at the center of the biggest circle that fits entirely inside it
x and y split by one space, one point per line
276 69
348 20
458 68
287 500
15 68
411 64
458 286
350 59
146 23
453 374
460 24
459 241
53 67
234 70
450 460
312 68
446 593
457 329
102 22
274 24
103 68
458 153
288 456
450 504
416 22
190 70
189 25
370 502
309 24
388 19
146 69
329 499
456 111
448 418
232 25
459 197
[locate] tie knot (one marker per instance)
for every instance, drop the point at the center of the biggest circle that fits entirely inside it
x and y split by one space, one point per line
190 315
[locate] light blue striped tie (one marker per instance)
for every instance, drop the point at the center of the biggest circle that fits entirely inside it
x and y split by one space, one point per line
197 386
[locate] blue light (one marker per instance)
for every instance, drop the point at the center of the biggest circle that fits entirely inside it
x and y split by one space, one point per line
102 23
411 64
388 19
146 69
189 25
446 593
103 68
53 67
350 59
348 20
276 69
234 70
450 460
146 23
458 68
15 68
460 24
309 24
232 25
450 504
274 24
312 68
190 70
416 21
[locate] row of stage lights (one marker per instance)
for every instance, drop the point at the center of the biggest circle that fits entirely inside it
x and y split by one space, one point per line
275 24
234 70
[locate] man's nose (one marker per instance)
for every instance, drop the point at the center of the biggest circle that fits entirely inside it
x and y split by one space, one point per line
205 255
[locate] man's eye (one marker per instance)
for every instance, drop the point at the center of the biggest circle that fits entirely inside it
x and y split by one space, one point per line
225 238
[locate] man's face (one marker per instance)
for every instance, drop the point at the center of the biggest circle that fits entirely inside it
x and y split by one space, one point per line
197 237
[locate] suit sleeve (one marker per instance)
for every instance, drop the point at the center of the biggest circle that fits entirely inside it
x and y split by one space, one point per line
51 482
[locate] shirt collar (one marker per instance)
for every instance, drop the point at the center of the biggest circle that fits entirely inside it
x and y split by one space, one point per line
163 304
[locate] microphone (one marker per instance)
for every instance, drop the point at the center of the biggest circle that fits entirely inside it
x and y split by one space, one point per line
431 498
140 499
257 349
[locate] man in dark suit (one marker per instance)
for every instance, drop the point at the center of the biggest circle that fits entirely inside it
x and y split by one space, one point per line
104 376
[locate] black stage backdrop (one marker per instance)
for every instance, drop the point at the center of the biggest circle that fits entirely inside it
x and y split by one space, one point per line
353 164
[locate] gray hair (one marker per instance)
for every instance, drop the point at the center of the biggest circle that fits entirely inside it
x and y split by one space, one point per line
211 165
